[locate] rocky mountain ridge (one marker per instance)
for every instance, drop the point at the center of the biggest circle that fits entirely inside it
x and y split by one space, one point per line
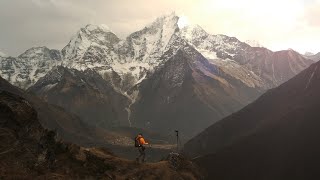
216 66
98 48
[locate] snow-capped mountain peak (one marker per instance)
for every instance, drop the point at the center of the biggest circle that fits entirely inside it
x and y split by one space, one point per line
212 46
165 20
40 54
193 31
90 35
101 27
26 69
33 50
97 47
169 27
148 44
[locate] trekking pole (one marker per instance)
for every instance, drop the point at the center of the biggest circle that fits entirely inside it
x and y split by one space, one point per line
177 134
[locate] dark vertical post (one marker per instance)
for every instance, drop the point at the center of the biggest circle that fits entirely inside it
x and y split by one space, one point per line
177 134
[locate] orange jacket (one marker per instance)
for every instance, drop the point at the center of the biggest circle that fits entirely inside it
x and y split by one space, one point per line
141 140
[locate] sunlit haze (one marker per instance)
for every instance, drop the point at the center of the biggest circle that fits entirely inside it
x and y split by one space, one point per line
275 24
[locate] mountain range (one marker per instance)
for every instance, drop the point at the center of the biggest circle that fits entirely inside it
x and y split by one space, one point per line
160 75
275 137
99 88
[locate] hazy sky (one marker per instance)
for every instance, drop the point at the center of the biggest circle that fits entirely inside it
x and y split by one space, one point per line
276 24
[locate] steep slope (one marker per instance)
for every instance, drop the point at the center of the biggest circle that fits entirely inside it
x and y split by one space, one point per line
28 151
68 126
85 94
273 138
275 68
188 93
234 127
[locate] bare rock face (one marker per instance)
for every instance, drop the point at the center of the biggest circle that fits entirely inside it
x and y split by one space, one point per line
187 93
84 93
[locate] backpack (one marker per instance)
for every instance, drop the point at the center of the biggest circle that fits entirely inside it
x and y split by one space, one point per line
137 142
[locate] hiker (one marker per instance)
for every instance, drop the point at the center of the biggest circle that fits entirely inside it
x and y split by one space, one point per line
139 143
